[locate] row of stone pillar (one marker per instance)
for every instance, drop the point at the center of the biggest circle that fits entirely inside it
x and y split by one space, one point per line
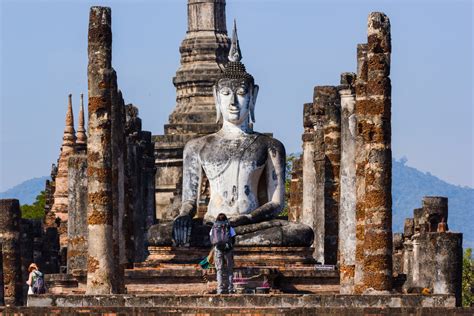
346 161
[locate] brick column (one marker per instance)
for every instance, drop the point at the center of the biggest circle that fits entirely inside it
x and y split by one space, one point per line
319 183
309 174
347 218
10 215
100 264
361 162
327 98
77 222
376 133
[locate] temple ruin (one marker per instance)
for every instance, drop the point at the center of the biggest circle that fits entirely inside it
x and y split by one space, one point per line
117 191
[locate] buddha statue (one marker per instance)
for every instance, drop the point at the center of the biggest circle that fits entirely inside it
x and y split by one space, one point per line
245 169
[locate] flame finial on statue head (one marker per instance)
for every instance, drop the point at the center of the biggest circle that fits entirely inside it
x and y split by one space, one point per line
234 52
235 69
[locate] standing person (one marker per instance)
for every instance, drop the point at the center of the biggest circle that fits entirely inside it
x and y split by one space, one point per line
223 239
35 280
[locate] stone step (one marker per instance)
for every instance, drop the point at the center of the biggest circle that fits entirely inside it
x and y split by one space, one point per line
237 311
243 256
273 302
205 117
191 128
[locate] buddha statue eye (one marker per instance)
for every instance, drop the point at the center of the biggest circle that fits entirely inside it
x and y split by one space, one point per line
225 91
242 91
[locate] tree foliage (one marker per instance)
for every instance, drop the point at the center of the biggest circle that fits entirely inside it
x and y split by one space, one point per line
467 278
288 170
35 210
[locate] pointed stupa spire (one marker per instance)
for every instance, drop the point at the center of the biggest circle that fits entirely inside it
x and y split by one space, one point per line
81 137
234 52
69 137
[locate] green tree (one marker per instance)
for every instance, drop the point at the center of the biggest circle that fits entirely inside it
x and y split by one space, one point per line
35 210
288 170
467 278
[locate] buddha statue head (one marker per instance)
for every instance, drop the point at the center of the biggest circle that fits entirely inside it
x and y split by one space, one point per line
235 91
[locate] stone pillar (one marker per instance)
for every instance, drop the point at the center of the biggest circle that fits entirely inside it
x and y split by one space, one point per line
309 174
319 184
361 158
59 211
441 263
347 217
375 131
118 183
149 180
77 222
10 240
327 98
100 265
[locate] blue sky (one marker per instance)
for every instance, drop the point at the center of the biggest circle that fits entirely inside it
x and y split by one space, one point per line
288 46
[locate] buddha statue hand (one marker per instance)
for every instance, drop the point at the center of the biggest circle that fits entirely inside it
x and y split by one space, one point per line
182 230
240 220
183 224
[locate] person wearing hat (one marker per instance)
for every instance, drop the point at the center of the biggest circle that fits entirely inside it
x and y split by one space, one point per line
34 274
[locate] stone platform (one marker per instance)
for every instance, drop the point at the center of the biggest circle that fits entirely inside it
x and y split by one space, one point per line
187 279
171 270
243 256
241 302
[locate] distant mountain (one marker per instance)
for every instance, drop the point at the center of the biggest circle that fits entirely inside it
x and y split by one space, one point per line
26 191
409 186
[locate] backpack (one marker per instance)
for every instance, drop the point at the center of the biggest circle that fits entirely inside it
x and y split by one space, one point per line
39 286
220 236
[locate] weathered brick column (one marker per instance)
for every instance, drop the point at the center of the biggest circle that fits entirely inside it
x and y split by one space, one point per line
100 266
77 223
118 182
347 218
375 130
327 98
309 174
319 161
10 215
361 162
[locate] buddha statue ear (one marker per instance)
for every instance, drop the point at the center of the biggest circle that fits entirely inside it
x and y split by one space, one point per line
217 103
253 101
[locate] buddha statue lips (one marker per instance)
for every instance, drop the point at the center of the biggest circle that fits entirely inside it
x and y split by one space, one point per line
237 161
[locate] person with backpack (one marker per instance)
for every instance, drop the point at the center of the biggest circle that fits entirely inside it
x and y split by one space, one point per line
222 237
36 284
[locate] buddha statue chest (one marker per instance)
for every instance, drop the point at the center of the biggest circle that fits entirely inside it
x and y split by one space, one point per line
234 167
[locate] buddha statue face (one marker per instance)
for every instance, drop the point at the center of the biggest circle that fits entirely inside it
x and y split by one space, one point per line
235 100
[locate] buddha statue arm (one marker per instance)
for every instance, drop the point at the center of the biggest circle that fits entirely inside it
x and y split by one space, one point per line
191 180
275 173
